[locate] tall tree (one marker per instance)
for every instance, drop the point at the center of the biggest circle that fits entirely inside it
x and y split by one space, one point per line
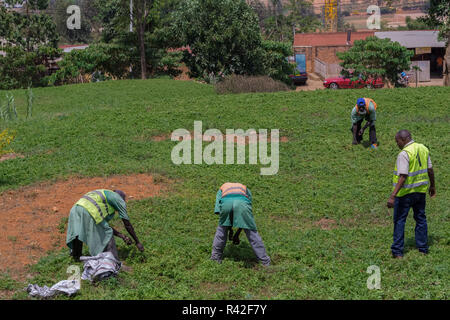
148 41
301 16
30 44
439 16
141 11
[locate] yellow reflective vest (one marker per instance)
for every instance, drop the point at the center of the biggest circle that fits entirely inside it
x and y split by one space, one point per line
96 204
417 180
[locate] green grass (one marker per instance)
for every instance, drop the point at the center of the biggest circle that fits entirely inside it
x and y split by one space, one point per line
105 128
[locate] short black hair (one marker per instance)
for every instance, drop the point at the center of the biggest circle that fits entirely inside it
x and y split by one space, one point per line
121 194
403 134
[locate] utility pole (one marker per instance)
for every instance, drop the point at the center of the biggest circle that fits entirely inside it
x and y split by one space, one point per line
131 25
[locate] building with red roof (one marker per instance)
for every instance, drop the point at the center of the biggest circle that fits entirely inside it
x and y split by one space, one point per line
323 46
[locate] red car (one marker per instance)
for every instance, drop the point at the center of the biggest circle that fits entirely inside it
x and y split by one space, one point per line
342 83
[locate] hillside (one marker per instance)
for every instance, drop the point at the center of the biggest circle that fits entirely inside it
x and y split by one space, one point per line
322 217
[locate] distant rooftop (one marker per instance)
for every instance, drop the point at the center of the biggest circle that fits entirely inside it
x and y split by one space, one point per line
413 39
329 39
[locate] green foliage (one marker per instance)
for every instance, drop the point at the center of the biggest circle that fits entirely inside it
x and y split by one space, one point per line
114 17
277 19
224 39
274 61
30 45
321 176
374 57
8 112
27 31
439 16
223 36
19 68
109 59
30 97
6 137
60 16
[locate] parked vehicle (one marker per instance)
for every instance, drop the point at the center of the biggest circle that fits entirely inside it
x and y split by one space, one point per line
344 83
299 78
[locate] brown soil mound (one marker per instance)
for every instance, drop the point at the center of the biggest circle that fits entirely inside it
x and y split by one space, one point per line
32 216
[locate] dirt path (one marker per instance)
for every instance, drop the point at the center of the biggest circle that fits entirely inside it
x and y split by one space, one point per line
32 216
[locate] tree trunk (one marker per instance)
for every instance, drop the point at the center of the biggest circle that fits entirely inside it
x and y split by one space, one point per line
141 17
142 50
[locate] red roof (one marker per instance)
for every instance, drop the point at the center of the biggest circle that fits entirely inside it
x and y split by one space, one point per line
329 39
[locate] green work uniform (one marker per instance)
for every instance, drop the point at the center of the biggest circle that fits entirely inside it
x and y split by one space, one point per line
96 236
369 116
240 206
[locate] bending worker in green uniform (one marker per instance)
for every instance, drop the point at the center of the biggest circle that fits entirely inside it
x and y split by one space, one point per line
88 223
365 108
234 206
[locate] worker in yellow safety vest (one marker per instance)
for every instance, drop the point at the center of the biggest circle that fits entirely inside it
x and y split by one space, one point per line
413 175
88 223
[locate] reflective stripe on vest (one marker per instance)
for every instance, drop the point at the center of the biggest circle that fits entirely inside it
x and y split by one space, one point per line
95 203
368 101
233 188
417 179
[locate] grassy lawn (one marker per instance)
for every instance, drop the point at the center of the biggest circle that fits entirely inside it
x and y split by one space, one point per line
106 128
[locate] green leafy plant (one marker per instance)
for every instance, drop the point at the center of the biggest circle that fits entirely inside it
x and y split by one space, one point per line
30 97
375 57
6 137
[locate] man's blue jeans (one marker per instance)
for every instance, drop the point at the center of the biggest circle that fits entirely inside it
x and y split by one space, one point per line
401 208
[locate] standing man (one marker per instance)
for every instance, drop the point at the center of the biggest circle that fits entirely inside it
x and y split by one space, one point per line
88 223
413 173
234 206
365 108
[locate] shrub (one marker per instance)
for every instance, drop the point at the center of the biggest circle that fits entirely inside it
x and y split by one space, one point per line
5 140
243 84
20 68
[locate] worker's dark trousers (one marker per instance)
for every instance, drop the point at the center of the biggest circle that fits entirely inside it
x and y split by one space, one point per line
77 248
372 133
402 205
220 240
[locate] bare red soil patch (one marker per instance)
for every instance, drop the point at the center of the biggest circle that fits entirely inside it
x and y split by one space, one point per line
31 216
9 156
326 224
248 139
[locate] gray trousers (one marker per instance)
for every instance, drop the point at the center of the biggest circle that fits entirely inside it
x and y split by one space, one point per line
111 247
220 240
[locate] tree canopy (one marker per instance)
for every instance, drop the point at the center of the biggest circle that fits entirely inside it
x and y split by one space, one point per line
375 57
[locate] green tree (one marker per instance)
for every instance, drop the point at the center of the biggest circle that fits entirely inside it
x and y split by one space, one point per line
374 57
301 16
30 44
223 37
58 12
30 29
148 41
439 16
